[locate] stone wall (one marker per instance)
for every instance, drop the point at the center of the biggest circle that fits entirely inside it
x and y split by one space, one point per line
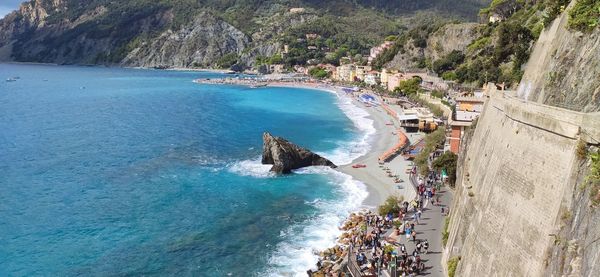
516 175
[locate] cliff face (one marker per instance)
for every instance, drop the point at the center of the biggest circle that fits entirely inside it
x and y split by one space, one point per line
450 37
199 43
40 32
440 43
564 68
199 33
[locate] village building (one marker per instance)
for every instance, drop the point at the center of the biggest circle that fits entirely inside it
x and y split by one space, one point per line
372 78
361 72
393 80
377 50
418 119
345 73
467 110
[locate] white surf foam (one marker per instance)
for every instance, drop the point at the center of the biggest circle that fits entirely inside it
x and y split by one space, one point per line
301 243
349 151
253 168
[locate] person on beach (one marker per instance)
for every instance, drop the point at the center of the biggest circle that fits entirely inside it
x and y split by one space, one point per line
414 235
426 246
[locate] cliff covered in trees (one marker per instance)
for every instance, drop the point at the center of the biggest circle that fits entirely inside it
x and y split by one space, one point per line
497 49
204 33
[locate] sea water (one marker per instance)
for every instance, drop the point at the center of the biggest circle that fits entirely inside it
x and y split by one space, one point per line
108 171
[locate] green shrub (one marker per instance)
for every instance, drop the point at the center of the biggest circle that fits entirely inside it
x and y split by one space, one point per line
447 161
227 60
437 94
452 265
449 76
581 150
391 205
585 15
318 72
445 233
593 178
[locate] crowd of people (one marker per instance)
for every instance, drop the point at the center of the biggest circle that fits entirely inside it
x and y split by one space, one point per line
375 242
380 246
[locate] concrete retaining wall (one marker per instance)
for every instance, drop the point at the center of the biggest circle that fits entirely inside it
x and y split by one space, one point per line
515 177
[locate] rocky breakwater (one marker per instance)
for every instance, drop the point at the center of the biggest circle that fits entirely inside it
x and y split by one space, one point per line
286 156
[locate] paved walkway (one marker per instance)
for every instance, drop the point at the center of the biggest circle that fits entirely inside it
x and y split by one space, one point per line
430 227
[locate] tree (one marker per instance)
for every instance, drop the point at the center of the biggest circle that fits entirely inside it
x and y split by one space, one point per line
449 62
391 205
448 162
318 72
410 86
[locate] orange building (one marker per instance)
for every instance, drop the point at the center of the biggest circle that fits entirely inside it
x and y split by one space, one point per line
467 110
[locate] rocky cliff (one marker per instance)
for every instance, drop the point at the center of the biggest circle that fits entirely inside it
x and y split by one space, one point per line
564 68
285 156
199 43
185 33
448 38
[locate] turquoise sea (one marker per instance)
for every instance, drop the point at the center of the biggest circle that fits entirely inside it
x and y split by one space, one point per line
112 172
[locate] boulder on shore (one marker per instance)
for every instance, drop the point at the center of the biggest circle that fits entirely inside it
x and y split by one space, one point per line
286 156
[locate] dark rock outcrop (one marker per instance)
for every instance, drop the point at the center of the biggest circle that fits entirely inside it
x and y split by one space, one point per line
286 156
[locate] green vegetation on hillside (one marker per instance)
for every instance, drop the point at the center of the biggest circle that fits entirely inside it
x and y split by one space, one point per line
414 38
585 15
408 87
227 60
337 37
318 73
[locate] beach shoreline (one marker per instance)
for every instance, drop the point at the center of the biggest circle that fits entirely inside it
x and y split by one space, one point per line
379 185
377 181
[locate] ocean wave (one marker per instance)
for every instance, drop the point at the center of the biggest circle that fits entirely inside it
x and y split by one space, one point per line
347 152
253 168
301 244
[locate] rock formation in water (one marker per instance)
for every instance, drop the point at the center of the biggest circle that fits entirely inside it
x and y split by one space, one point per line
286 156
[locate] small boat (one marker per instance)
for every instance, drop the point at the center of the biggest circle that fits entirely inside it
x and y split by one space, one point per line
258 86
359 166
11 80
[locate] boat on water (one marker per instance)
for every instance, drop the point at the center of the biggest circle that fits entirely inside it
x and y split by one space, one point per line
11 80
258 86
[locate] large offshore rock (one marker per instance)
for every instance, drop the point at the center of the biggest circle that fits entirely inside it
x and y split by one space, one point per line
286 156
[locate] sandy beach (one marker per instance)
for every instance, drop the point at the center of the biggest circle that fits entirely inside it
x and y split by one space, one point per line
379 185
